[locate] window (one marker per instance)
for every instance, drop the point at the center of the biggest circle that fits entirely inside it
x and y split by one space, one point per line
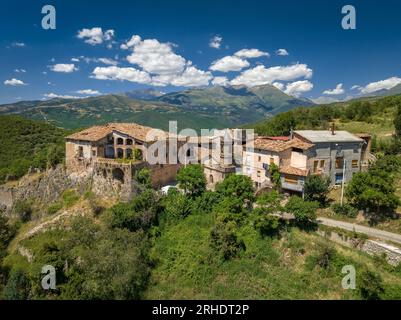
321 163
271 161
80 151
259 158
258 173
355 164
315 165
94 153
339 163
129 142
120 141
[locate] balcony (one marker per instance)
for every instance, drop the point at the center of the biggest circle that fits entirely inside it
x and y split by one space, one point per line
292 186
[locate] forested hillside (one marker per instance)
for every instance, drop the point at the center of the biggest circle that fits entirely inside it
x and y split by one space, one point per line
26 143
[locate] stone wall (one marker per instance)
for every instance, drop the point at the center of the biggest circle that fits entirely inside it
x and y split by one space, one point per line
371 247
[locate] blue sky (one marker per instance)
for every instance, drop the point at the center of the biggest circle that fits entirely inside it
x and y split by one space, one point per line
183 44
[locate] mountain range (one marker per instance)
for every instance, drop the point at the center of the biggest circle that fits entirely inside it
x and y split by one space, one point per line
209 107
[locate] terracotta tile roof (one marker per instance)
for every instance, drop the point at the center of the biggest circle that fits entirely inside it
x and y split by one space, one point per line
298 143
96 133
294 171
269 144
266 143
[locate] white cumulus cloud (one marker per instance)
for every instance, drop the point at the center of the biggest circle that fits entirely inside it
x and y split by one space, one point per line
14 82
261 75
220 81
116 73
64 67
380 85
54 95
282 52
89 92
298 87
336 91
155 57
135 39
215 42
251 53
95 35
229 63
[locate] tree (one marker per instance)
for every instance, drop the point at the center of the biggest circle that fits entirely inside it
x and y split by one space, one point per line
143 177
316 189
303 211
274 171
239 187
373 191
177 205
192 179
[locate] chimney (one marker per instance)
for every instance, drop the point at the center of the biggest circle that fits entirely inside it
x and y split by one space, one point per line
332 129
291 133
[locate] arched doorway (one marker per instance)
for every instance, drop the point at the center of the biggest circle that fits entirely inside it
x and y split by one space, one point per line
211 179
118 175
128 153
120 153
138 154
120 141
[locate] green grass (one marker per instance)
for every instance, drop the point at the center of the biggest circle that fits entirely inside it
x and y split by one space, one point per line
269 268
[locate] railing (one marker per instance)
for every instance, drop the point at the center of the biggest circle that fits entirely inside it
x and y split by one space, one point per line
123 162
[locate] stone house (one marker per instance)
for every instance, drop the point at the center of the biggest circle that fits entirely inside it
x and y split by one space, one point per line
113 153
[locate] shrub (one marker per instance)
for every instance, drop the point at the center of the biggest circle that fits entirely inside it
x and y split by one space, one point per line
23 209
18 286
370 285
266 224
70 197
345 210
325 255
54 208
225 241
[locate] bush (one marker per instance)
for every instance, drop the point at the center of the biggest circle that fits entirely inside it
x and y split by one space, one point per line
23 209
70 197
370 285
225 241
18 286
140 213
345 210
266 224
325 255
54 208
